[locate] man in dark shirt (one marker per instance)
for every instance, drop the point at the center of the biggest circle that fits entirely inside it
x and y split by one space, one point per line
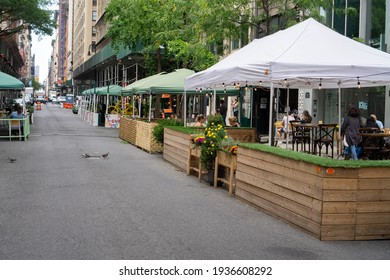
223 110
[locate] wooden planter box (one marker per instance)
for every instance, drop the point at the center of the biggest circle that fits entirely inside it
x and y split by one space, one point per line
140 134
329 203
145 139
177 148
229 162
128 130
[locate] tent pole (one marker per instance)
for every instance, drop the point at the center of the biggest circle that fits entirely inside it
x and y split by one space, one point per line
271 105
132 100
150 104
339 132
139 105
288 109
185 109
215 102
107 105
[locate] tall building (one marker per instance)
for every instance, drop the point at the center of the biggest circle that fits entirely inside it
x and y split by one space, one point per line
95 63
62 39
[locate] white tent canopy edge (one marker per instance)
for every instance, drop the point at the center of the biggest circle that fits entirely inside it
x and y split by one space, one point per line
306 55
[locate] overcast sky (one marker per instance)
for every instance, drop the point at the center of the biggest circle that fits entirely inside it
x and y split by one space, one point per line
42 50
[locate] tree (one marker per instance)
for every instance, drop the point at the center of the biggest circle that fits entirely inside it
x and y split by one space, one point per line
18 15
164 28
192 33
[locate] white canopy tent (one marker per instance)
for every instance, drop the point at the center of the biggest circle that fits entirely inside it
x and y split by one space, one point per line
306 55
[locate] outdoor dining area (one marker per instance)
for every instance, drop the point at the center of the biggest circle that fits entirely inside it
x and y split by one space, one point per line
325 140
328 198
13 126
301 181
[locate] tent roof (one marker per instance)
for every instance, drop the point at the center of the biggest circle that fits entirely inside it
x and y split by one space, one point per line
302 56
113 90
172 83
9 82
133 87
110 90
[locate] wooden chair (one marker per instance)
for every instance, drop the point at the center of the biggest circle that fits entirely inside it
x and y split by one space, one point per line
300 136
16 128
325 137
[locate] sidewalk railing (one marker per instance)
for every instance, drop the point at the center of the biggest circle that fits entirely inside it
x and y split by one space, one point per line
15 128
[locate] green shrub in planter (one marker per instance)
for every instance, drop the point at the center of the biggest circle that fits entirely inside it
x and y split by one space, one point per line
158 131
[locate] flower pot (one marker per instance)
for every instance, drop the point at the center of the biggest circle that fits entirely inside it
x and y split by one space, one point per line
210 176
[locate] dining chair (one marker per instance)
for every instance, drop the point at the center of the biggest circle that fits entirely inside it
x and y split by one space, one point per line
15 128
325 138
300 136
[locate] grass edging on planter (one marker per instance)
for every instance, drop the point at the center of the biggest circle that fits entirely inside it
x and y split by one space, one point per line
321 161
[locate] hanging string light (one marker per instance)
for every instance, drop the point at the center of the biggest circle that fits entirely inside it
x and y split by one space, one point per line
358 83
320 85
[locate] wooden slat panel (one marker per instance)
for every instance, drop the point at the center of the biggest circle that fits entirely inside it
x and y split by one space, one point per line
376 230
175 162
373 195
340 184
281 212
177 139
339 195
374 173
372 237
279 170
374 183
335 207
177 145
253 176
171 152
305 200
338 232
372 218
375 206
338 219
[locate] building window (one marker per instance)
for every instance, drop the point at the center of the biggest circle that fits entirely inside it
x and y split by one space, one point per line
94 2
94 15
93 31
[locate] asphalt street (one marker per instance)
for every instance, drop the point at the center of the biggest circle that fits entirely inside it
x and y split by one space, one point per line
55 204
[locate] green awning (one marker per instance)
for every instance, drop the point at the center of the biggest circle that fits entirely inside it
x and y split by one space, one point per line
141 85
172 83
114 90
9 82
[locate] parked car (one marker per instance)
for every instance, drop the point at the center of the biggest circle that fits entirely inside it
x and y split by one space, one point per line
61 99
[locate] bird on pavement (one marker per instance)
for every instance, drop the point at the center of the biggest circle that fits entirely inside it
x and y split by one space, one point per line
11 160
85 155
105 155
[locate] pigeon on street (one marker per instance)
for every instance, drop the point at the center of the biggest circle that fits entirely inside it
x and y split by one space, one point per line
105 155
11 160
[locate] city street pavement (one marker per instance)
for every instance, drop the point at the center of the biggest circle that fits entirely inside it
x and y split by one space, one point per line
55 204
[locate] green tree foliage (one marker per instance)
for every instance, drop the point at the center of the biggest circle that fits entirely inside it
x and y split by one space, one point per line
31 14
191 34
